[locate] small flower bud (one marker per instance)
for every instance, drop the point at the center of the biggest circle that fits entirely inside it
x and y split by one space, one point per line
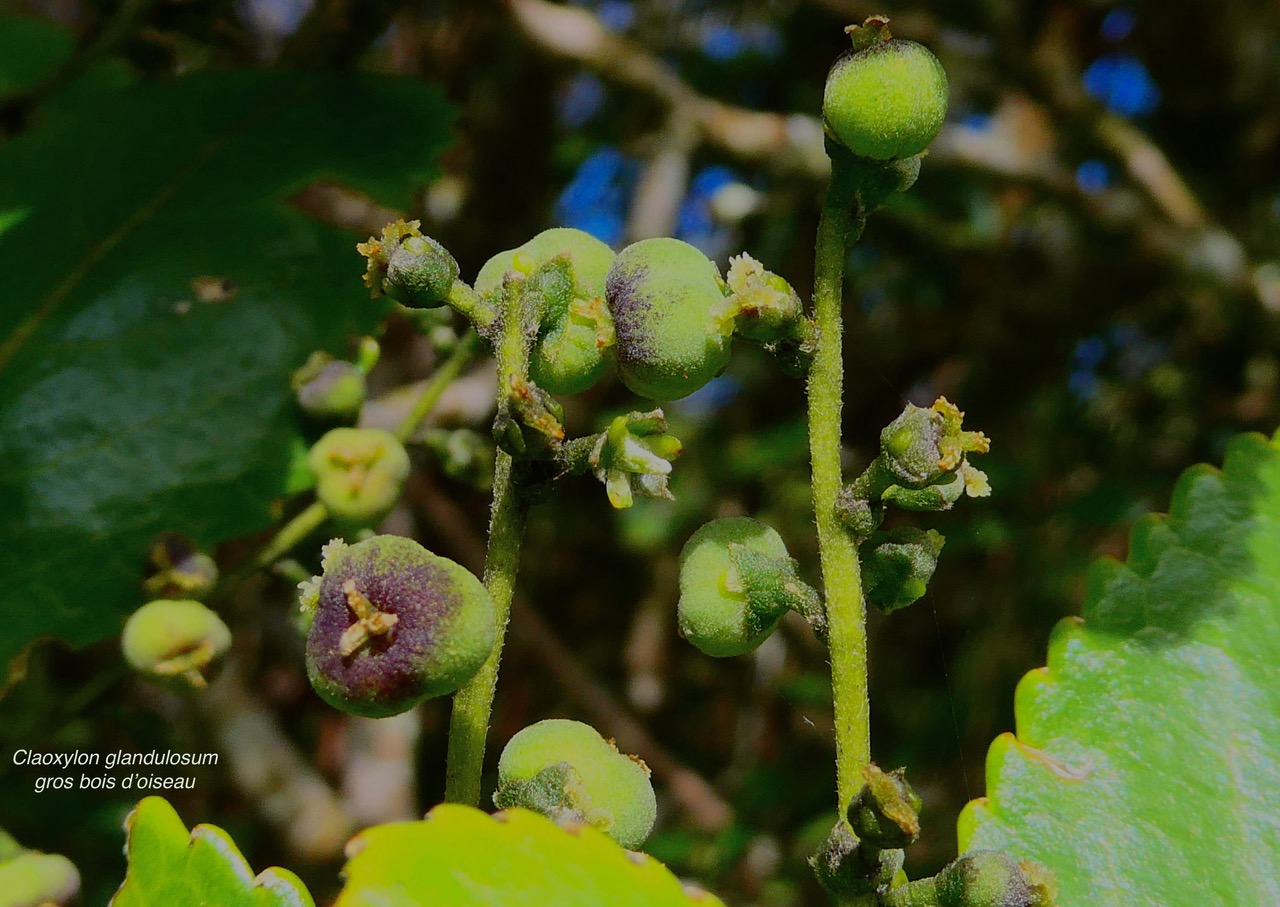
393 624
858 515
886 98
897 566
329 389
984 878
566 771
174 641
885 812
176 568
412 269
463 455
359 473
528 424
847 867
928 446
764 307
634 457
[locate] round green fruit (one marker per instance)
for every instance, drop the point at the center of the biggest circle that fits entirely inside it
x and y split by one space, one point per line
668 305
359 472
575 333
714 611
887 101
983 878
174 640
393 624
568 772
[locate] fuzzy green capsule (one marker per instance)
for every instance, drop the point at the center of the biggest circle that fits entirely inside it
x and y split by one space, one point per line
672 320
174 641
359 473
411 268
393 624
718 611
566 771
887 100
575 330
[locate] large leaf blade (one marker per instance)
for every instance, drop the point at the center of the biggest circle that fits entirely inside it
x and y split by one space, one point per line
157 290
1146 764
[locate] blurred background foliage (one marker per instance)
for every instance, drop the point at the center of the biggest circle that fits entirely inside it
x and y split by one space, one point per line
1089 266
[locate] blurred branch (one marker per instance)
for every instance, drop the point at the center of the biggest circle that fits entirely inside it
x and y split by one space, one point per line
269 772
336 33
655 208
700 801
378 778
783 143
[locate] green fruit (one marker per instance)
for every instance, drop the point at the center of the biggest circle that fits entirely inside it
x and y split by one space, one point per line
565 770
359 473
715 612
176 568
886 101
328 388
983 878
393 624
575 331
38 880
411 268
174 640
669 314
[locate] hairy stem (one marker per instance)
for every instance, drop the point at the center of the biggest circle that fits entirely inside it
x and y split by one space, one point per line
448 371
841 222
473 704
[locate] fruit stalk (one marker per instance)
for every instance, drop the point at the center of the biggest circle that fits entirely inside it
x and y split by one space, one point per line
841 223
473 704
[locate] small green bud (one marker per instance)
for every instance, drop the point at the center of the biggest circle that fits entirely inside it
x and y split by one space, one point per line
736 582
847 867
359 473
880 179
569 773
634 457
528 424
764 307
175 641
393 624
412 269
329 389
887 99
575 330
984 878
33 879
885 812
858 515
176 568
463 455
669 313
929 446
897 566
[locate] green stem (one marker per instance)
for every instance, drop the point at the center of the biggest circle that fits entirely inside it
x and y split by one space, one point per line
473 704
842 220
441 378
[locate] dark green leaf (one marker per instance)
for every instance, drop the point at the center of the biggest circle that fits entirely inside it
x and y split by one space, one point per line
156 290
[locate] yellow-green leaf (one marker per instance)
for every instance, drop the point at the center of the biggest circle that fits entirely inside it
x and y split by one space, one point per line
461 857
169 867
